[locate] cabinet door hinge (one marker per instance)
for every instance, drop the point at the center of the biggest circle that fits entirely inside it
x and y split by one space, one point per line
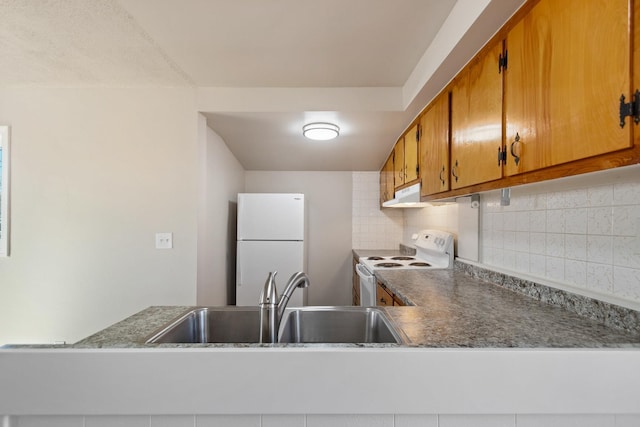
631 109
502 61
502 155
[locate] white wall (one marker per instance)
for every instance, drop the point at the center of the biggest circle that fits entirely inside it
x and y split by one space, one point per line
328 196
221 179
95 174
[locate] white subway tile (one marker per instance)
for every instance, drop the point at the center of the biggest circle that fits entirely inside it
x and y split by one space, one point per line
173 421
47 421
575 272
600 277
416 421
626 282
509 259
554 245
539 202
117 421
555 268
477 421
349 421
626 220
600 249
537 243
626 252
227 420
522 241
538 221
555 221
575 221
537 265
510 221
575 246
556 200
576 198
283 421
509 242
626 193
600 196
523 221
522 262
600 221
566 420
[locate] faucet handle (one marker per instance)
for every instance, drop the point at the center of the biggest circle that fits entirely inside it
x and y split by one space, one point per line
269 294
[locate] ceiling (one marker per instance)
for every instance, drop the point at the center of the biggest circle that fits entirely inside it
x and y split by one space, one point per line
260 69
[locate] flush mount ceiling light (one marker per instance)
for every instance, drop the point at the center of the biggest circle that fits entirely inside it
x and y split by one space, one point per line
320 131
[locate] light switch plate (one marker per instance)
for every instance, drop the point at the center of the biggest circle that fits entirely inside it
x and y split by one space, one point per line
164 240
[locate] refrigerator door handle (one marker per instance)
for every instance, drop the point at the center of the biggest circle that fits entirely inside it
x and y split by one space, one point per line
239 271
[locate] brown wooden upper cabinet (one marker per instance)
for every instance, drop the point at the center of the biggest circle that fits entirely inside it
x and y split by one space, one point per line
398 163
406 157
636 63
386 180
476 120
568 64
411 144
551 95
434 146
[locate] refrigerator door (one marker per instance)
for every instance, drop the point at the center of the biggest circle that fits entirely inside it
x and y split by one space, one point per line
254 262
270 216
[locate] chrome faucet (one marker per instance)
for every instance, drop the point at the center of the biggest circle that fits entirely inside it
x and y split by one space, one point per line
272 308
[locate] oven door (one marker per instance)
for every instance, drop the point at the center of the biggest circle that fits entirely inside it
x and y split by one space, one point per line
367 286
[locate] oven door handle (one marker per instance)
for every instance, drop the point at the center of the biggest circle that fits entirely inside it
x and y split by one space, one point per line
363 272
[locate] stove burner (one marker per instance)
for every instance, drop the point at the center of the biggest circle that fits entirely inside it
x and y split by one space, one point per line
388 264
403 258
375 258
420 264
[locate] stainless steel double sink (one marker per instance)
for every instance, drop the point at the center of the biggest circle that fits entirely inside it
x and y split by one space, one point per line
330 324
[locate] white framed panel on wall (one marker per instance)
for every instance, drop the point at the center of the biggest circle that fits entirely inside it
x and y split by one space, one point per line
4 191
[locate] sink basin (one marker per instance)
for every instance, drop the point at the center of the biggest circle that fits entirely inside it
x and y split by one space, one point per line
212 325
338 325
299 325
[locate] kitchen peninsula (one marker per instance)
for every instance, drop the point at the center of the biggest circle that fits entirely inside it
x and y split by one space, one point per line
471 352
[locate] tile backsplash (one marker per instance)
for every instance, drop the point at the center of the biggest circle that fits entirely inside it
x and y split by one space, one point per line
583 236
580 233
372 227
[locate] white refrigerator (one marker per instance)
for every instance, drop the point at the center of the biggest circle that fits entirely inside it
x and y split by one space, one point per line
271 231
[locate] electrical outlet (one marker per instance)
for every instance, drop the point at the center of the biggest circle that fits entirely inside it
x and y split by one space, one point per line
164 240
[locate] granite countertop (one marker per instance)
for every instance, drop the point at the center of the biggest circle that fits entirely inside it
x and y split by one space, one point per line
451 308
445 309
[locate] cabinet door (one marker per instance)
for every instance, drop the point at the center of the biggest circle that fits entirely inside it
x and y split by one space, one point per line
568 64
434 147
398 163
476 121
636 61
386 180
411 142
382 296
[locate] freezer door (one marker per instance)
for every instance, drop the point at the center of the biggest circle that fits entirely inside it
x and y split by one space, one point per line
270 216
254 262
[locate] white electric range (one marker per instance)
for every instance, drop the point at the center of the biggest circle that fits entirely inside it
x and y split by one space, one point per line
434 249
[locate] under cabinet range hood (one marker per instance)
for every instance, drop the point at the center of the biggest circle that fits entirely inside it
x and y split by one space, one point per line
408 197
